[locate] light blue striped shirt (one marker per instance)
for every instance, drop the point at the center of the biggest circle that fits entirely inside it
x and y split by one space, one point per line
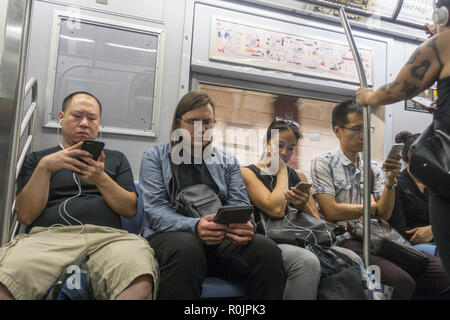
333 173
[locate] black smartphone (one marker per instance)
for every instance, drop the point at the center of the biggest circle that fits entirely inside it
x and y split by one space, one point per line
237 214
303 186
95 148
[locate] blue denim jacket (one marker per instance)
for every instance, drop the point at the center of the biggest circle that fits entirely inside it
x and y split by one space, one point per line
154 178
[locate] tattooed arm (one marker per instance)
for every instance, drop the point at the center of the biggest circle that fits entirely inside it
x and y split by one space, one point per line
421 70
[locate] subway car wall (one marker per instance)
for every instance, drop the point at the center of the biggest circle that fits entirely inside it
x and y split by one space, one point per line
139 98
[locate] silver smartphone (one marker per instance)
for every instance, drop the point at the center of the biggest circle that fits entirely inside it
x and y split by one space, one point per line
396 148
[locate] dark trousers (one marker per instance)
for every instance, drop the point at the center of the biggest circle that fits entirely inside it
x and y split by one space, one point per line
184 263
440 222
431 283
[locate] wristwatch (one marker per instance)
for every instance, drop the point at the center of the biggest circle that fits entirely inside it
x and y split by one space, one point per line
391 187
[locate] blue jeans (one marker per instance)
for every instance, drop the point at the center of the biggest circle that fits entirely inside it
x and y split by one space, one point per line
426 247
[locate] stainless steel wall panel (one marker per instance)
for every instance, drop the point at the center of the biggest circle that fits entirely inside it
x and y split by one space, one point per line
13 56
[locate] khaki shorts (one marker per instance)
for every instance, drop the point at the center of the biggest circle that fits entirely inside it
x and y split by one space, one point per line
31 263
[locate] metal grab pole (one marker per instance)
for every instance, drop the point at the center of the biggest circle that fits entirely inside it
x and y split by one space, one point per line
366 148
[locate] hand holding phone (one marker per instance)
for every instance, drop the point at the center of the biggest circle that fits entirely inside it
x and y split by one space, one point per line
94 147
303 186
396 148
425 103
94 172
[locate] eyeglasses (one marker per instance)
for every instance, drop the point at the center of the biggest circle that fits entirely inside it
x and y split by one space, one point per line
208 123
358 130
282 120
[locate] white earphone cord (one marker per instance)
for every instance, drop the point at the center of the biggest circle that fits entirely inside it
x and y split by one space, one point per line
63 206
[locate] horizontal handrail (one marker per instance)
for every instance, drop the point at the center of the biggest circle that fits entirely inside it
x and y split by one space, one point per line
27 118
23 154
31 85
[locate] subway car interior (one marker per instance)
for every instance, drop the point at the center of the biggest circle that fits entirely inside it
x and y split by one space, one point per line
258 63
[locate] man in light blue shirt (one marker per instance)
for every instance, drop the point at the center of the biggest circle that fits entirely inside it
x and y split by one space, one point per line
224 170
188 249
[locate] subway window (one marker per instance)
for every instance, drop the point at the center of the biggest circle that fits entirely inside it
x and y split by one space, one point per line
120 64
243 117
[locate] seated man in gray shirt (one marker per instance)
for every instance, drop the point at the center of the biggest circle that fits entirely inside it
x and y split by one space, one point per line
72 205
337 178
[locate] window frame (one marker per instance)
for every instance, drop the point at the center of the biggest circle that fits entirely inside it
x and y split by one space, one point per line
58 16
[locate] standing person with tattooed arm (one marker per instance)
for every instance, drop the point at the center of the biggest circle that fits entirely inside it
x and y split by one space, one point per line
428 64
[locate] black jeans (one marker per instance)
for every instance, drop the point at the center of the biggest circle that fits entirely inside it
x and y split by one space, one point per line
184 263
440 223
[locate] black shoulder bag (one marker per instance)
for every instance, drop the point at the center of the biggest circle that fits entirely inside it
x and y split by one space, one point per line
430 159
194 201
388 243
298 228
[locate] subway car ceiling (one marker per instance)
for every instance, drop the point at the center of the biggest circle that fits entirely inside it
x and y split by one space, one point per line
139 58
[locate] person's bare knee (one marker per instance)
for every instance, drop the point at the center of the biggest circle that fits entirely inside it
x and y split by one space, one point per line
140 288
5 294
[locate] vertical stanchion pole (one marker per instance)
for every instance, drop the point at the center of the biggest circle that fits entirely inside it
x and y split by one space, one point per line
366 148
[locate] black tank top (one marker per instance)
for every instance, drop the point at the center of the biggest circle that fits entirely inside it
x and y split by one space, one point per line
270 182
442 115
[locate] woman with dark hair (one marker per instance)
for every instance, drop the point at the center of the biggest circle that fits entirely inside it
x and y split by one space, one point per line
428 64
271 188
410 215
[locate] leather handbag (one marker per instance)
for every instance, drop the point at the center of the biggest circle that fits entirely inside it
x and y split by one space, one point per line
388 243
299 228
194 201
430 160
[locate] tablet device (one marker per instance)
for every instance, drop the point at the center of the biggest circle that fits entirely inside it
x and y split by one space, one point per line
236 214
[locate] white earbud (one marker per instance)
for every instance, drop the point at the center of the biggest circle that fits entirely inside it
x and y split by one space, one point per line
58 137
100 132
440 15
